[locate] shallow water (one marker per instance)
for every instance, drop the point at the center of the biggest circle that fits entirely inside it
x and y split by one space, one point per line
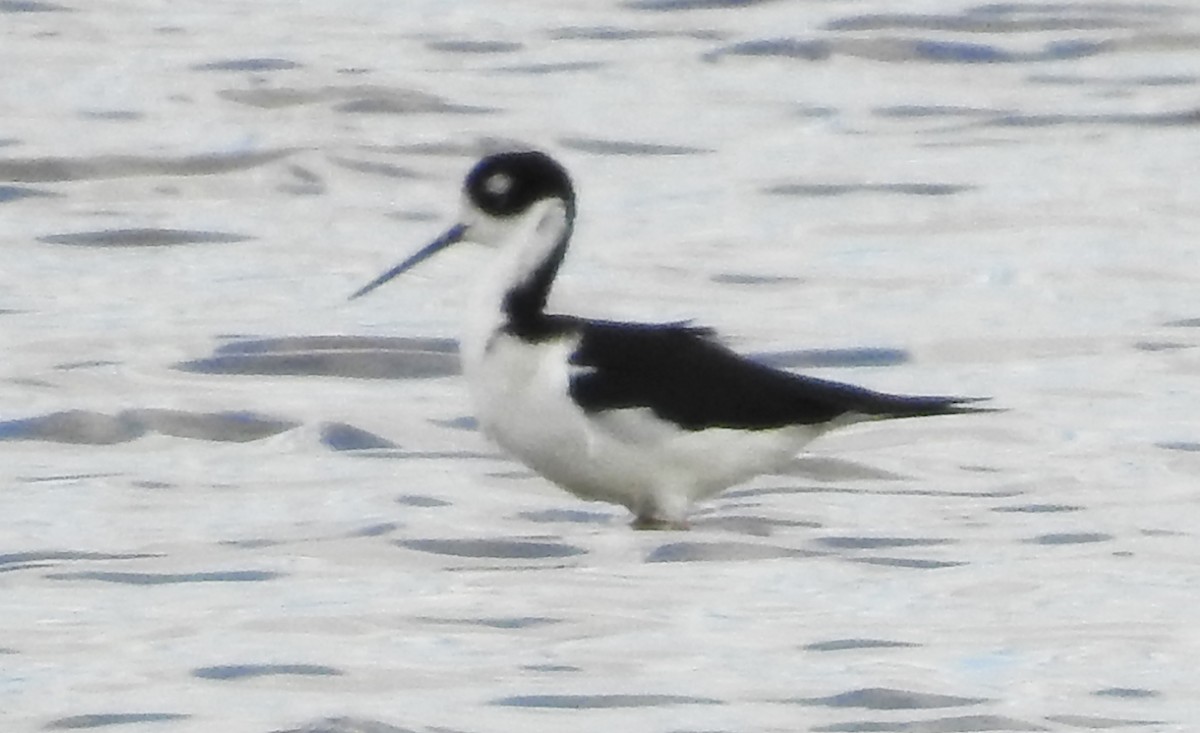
235 501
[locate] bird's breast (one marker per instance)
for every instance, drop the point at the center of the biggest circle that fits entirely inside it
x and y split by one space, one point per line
519 388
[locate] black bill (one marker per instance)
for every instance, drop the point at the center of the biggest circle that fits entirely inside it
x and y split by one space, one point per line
452 235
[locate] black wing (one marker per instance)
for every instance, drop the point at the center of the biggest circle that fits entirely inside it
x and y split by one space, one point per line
684 375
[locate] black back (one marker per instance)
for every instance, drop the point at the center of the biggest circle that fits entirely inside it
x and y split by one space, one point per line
684 375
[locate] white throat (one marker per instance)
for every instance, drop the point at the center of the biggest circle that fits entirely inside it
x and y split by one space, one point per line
524 245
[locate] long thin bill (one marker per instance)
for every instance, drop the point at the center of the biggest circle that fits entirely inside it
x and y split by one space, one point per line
452 235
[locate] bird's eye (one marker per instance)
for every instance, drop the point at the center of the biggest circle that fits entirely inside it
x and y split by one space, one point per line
498 185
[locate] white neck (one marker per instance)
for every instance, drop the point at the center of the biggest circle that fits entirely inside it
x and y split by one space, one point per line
524 244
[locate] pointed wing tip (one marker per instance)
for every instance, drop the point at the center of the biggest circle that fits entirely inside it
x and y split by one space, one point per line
932 406
968 405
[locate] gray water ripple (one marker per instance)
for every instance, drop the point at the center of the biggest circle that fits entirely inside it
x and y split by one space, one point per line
1038 508
1126 692
425 502
498 622
1147 80
465 423
378 529
907 111
112 115
878 543
377 168
973 21
1180 118
351 365
396 104
78 427
839 645
84 427
566 67
885 698
1095 722
299 344
452 149
844 189
353 357
32 6
147 579
354 99
627 147
1184 323
934 493
465 46
256 65
910 563
1156 346
227 672
1186 446
353 725
8 194
745 278
785 48
957 724
502 549
236 426
1070 538
621 34
142 237
341 437
749 524
611 701
575 516
48 558
304 182
722 552
103 720
48 169
900 49
674 5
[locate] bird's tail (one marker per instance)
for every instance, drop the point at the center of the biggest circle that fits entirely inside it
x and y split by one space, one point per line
891 407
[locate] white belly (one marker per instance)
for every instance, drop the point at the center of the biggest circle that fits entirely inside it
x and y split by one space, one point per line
629 456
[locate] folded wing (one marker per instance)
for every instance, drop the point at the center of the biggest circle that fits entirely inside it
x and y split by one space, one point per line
683 374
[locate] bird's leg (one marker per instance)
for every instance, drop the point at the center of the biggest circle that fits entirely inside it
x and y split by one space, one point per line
662 509
657 524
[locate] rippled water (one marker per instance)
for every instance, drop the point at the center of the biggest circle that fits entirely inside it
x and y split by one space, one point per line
234 501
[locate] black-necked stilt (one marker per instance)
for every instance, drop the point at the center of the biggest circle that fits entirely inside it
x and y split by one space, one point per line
649 416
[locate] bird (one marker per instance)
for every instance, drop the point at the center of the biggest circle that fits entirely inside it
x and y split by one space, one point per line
650 416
